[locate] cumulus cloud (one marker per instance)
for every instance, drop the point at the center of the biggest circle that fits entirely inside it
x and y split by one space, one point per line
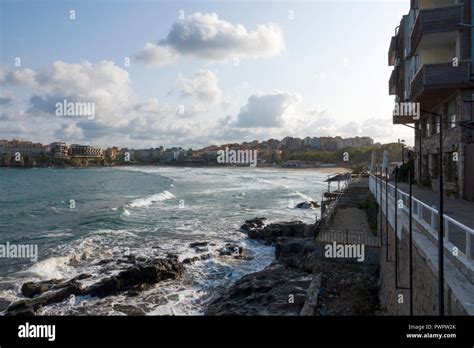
205 36
5 100
156 55
103 83
203 86
266 110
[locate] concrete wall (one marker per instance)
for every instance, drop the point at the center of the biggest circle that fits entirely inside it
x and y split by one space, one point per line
425 277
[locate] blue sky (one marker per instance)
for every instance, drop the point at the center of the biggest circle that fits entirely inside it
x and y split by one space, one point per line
304 69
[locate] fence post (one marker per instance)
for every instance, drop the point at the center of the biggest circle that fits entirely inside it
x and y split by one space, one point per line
433 220
468 245
446 229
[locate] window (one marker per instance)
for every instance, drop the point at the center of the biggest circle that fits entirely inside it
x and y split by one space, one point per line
451 114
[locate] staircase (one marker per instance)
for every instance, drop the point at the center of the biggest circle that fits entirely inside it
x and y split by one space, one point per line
355 194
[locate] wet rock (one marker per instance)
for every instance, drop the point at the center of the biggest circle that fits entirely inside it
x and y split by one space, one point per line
128 309
253 224
198 244
32 289
191 259
150 272
29 306
231 249
307 205
277 290
282 229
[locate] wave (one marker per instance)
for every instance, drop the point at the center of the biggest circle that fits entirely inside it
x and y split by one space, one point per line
147 201
305 197
51 268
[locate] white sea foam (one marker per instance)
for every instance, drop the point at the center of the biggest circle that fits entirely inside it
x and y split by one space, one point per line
51 268
147 201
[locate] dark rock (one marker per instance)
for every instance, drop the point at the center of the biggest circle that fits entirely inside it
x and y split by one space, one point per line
206 257
277 290
198 244
191 259
106 287
128 309
28 307
32 289
307 205
150 272
253 224
282 229
231 249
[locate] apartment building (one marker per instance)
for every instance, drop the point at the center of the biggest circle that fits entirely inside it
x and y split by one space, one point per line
431 53
25 148
59 150
85 151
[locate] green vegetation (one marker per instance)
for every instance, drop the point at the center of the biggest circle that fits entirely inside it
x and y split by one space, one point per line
357 155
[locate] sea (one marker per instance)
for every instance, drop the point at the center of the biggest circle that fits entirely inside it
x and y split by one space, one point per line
78 217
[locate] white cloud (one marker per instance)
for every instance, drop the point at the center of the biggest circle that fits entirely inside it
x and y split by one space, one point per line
267 110
203 86
156 55
205 36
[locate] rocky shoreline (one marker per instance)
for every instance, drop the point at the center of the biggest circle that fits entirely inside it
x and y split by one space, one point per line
298 282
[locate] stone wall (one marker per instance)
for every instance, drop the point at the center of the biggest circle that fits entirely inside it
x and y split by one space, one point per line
425 279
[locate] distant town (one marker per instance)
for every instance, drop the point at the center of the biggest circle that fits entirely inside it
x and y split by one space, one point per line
288 152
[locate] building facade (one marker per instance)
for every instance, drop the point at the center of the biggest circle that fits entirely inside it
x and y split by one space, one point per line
25 148
431 53
85 151
59 150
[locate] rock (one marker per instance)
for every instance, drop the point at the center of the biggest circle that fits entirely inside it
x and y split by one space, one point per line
198 244
253 224
28 307
307 205
282 229
32 289
106 287
231 249
149 272
258 222
128 309
191 259
264 293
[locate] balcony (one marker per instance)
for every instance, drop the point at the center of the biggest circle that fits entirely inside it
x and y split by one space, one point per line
434 82
435 20
392 88
392 51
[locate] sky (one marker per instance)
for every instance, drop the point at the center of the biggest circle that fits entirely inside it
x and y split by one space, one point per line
195 73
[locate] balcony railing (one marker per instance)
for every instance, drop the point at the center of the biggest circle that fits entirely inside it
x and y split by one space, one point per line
391 51
391 84
438 76
436 20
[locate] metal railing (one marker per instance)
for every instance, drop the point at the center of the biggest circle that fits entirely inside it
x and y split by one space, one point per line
331 207
348 237
456 233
